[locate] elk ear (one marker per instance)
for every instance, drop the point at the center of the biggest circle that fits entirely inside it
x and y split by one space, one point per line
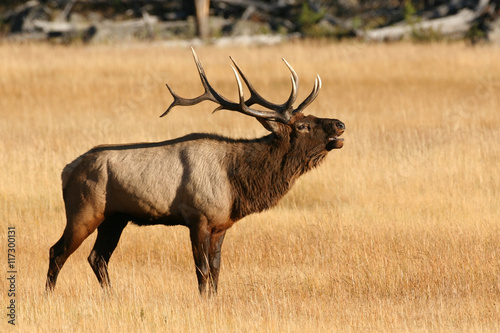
271 126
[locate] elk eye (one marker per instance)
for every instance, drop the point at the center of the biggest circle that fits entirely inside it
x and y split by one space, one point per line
302 127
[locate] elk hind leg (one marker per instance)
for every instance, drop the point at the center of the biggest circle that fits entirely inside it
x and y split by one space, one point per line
75 233
108 235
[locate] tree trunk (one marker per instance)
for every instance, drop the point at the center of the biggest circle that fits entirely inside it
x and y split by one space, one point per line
202 11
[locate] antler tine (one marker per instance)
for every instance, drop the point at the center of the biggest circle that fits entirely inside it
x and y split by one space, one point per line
252 112
177 100
295 85
209 95
256 98
312 96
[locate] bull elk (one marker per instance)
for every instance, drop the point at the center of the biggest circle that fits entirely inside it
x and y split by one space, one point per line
205 182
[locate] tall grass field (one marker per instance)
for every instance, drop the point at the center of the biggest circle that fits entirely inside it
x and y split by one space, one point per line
397 231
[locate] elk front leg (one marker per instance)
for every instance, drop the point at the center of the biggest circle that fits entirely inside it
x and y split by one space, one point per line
206 252
214 255
200 242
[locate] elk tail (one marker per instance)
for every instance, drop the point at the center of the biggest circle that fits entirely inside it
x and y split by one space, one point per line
68 170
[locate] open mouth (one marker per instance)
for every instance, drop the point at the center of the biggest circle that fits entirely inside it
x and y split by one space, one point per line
335 142
336 137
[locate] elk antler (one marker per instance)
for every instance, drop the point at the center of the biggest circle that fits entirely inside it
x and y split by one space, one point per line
255 98
280 112
312 96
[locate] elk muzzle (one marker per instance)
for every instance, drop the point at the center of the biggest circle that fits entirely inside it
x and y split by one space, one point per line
334 141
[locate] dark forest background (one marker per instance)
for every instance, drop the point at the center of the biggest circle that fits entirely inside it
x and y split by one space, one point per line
381 20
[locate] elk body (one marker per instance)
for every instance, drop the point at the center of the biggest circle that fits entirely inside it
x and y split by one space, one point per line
203 181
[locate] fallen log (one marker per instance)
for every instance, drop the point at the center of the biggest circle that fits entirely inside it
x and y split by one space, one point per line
453 26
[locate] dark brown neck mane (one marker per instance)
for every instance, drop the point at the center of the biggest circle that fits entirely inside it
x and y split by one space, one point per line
262 171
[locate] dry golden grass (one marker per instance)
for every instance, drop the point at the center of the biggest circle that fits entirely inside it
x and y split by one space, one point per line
397 231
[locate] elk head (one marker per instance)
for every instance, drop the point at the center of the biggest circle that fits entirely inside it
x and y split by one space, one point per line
285 121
